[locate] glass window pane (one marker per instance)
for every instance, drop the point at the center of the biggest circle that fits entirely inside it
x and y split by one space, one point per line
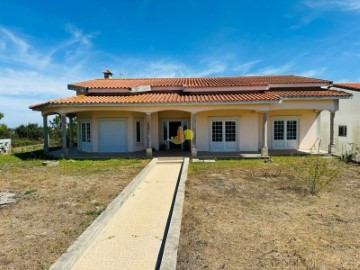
342 131
278 130
291 130
230 131
217 131
165 131
83 132
138 131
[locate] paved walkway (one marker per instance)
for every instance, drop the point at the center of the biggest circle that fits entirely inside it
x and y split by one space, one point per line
133 236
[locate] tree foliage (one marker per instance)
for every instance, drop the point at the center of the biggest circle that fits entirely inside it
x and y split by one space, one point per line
55 129
5 132
30 131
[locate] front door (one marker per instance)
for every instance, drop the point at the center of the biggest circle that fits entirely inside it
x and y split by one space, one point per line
172 135
285 133
174 127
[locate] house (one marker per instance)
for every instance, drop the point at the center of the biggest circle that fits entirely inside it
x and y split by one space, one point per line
214 114
346 122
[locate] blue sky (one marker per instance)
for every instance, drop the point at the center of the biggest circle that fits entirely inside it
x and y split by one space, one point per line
44 45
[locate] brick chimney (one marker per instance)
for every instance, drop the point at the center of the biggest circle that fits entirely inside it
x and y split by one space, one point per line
107 74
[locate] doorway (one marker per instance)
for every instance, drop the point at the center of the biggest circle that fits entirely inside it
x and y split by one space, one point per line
172 135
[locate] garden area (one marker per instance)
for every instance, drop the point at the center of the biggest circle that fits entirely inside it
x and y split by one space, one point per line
55 204
248 214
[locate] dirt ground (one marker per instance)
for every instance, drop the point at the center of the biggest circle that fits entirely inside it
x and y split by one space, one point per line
55 205
256 215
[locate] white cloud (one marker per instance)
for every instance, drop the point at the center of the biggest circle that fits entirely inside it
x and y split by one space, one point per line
246 67
15 49
345 5
276 70
29 74
314 73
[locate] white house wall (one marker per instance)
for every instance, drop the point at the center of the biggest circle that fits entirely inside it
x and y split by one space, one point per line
247 128
347 115
307 126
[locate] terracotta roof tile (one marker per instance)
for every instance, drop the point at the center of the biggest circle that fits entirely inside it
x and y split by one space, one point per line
158 98
197 82
349 85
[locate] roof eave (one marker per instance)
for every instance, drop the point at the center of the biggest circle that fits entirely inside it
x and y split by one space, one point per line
155 104
309 98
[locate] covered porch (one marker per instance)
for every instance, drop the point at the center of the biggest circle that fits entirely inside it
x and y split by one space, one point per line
234 131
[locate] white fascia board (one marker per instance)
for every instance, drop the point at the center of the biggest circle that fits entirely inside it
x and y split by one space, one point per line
76 88
164 88
108 90
299 85
312 98
225 89
162 104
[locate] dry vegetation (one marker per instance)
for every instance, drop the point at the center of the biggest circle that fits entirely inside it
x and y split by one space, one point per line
255 215
55 205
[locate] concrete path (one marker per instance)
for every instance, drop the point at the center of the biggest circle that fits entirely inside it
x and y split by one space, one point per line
132 237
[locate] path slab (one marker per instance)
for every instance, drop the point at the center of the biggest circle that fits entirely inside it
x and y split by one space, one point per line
132 238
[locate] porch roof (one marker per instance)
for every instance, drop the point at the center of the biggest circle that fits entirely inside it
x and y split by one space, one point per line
181 98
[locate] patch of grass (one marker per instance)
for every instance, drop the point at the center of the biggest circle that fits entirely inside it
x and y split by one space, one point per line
255 215
84 167
30 191
63 207
95 212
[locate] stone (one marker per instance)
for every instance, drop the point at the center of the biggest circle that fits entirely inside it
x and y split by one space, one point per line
7 198
50 163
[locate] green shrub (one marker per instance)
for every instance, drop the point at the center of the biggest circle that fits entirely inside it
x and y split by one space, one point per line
316 173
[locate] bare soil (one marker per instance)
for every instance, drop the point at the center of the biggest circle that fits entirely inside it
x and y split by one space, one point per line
55 205
256 215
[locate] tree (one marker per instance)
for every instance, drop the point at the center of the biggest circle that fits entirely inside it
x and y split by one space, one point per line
5 132
30 131
55 129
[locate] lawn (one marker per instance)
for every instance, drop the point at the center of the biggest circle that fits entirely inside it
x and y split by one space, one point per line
55 204
249 214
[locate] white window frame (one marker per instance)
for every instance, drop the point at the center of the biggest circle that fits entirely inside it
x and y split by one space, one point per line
87 134
224 142
285 119
141 126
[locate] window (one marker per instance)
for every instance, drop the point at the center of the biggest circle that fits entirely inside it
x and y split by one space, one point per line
278 130
85 132
230 131
224 131
217 131
342 131
138 131
291 130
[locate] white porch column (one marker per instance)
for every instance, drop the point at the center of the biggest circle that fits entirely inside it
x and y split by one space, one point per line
63 136
71 135
46 134
332 147
193 139
264 149
148 135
